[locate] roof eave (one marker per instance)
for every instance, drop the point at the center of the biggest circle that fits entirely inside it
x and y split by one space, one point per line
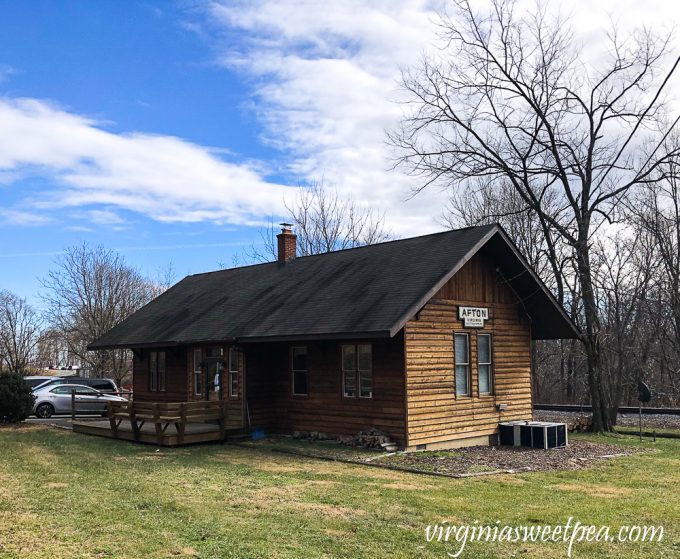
413 309
411 312
247 340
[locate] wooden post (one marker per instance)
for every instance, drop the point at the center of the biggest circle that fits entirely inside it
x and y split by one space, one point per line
133 421
112 419
183 423
157 422
223 421
640 419
73 404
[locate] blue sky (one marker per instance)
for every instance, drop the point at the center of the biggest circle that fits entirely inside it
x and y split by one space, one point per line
134 67
173 131
96 96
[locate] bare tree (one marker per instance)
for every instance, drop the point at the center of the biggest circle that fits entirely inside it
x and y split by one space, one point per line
655 214
324 221
20 328
512 99
90 291
624 272
491 202
52 350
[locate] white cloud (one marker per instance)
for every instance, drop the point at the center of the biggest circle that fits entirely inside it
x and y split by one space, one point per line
326 80
162 177
20 217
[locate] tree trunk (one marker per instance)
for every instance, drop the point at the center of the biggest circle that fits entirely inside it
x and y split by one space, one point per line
596 381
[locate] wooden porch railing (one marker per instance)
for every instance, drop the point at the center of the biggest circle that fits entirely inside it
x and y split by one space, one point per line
165 415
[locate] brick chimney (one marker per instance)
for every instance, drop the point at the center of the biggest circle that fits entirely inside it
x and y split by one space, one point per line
287 243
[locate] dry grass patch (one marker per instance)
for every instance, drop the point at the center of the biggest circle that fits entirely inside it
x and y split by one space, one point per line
407 486
327 511
600 491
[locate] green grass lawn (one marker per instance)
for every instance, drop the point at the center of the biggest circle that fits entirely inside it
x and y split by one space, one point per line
69 495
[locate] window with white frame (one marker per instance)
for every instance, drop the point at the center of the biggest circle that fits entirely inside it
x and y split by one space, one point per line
233 372
299 370
462 363
357 371
198 372
484 376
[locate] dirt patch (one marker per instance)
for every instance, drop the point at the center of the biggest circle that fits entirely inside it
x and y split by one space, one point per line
57 485
482 459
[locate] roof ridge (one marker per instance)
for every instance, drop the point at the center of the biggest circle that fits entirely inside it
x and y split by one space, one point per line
447 231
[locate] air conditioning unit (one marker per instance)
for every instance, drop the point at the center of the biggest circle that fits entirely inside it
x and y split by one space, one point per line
533 434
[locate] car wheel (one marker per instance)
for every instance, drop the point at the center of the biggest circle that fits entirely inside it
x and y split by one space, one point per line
44 411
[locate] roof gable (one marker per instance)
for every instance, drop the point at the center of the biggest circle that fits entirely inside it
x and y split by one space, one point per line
363 292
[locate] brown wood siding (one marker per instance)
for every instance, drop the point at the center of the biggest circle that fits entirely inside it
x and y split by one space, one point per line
273 407
435 414
175 376
179 379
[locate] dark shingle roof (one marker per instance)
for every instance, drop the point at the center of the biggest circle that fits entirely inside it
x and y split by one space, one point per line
367 291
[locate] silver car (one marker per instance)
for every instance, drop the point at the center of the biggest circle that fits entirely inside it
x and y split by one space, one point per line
57 399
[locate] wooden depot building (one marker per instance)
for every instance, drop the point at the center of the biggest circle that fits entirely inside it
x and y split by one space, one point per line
427 339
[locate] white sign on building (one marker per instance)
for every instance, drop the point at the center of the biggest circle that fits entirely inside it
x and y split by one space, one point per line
473 317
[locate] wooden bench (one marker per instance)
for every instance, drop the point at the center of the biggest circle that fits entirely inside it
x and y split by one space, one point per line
163 415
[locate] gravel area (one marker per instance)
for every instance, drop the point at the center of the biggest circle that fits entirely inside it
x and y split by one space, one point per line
624 420
480 459
470 461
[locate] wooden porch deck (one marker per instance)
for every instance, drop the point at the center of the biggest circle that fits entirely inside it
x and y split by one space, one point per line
193 432
163 424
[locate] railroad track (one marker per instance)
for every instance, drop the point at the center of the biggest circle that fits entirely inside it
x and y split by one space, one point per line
622 409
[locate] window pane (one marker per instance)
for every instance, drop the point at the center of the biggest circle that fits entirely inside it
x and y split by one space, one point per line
300 358
217 379
300 383
102 384
462 380
366 384
484 348
484 378
215 351
233 383
198 373
365 360
161 371
349 358
233 360
349 382
461 349
153 370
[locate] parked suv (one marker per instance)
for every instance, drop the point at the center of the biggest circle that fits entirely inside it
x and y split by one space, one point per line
105 385
36 380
